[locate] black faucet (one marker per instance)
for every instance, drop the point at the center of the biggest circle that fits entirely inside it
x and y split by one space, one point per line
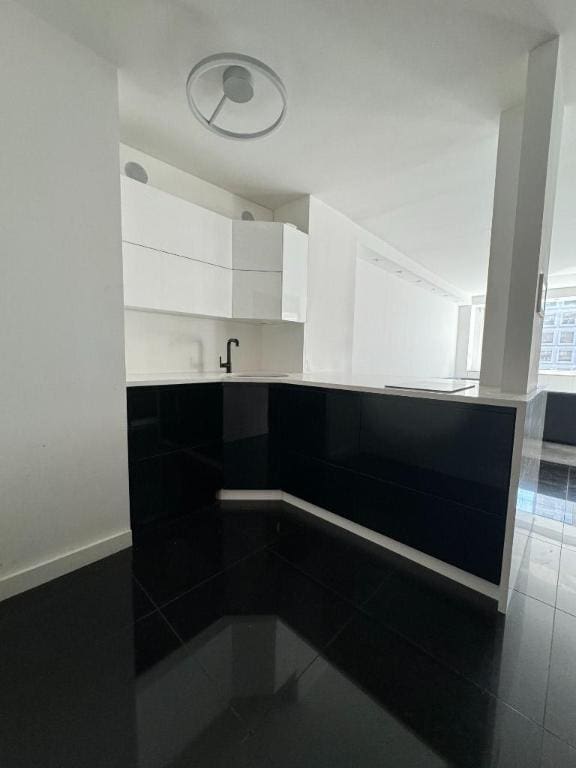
228 364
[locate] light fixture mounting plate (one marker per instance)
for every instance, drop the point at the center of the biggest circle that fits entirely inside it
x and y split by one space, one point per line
237 86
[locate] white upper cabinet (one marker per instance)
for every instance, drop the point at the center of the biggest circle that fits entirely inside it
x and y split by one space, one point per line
294 274
155 219
180 257
270 262
165 282
257 245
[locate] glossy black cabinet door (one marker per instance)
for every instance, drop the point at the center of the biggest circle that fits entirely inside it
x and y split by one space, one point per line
144 433
175 450
174 484
454 451
433 475
452 532
560 423
320 423
245 436
319 483
190 415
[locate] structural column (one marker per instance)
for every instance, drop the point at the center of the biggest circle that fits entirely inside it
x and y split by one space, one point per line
526 172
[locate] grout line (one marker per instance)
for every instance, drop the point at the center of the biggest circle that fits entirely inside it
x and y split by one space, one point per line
209 578
167 620
148 595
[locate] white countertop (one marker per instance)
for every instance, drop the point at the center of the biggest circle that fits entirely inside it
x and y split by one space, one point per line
350 381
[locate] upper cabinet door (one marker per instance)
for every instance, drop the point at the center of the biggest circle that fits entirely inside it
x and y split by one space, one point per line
257 245
294 275
179 257
155 219
165 282
260 248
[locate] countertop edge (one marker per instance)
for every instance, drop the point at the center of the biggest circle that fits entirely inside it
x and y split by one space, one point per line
472 398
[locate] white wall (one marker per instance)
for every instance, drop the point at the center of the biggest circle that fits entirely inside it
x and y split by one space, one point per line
335 245
297 212
400 329
282 347
63 456
182 184
163 343
462 339
332 251
557 382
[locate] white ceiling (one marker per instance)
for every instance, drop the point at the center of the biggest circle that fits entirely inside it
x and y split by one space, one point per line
393 106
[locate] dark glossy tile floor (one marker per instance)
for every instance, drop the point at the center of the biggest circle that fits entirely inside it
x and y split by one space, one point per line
253 636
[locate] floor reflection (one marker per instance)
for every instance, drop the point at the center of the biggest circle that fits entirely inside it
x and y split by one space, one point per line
256 637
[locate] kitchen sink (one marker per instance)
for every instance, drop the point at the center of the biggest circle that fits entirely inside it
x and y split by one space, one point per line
259 375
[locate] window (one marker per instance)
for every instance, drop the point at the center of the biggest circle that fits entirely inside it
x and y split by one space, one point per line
558 351
475 339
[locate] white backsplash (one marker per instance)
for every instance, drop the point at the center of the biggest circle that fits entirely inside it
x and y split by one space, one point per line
163 343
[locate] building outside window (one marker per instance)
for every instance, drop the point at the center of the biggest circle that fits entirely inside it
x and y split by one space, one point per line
558 350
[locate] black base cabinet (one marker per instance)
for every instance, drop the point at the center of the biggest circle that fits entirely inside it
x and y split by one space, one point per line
560 423
431 474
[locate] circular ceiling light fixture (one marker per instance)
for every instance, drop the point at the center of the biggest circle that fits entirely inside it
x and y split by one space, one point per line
220 86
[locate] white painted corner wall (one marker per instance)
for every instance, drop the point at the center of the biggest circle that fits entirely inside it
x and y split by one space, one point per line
400 329
332 250
361 318
189 187
63 455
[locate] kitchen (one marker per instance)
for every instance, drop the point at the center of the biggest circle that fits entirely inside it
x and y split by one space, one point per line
272 490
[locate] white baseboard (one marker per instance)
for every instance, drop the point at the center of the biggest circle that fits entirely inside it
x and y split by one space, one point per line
226 495
40 573
427 561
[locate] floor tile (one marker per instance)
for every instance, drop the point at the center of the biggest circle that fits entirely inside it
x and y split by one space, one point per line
153 641
48 626
454 718
142 605
465 633
538 573
342 564
547 528
262 584
80 712
283 644
251 659
520 673
556 753
561 701
549 507
553 479
324 720
182 721
505 655
569 529
566 598
177 557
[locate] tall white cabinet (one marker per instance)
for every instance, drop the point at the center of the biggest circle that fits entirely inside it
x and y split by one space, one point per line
270 263
180 257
